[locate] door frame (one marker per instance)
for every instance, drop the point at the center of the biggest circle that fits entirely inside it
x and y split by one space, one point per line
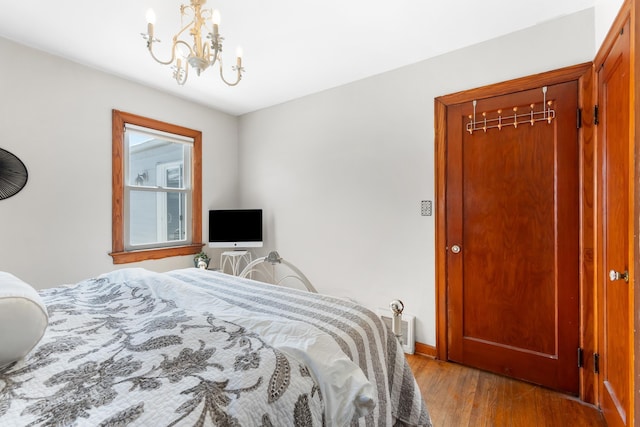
583 74
630 10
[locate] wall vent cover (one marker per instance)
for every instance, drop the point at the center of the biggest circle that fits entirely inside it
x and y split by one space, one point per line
407 324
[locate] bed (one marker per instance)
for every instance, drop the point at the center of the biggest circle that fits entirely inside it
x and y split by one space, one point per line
198 347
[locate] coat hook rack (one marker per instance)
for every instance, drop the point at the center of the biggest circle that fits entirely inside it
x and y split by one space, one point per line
545 114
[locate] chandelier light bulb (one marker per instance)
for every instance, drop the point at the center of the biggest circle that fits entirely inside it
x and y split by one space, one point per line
239 53
151 17
215 17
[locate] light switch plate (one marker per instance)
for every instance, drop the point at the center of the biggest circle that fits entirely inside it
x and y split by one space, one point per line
426 208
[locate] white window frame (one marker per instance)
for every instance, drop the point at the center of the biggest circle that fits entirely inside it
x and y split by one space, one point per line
160 190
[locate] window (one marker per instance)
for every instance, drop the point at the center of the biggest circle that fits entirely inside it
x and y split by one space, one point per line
157 200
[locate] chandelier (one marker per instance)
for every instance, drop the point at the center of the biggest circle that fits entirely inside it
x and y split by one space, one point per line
204 50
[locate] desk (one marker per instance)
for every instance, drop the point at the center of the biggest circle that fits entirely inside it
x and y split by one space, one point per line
233 258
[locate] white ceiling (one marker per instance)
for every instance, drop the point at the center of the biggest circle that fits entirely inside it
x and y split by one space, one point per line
291 47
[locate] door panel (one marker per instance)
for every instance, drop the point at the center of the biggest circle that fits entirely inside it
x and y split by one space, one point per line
614 142
513 208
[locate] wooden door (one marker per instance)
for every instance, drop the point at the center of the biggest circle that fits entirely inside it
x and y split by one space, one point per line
512 210
615 151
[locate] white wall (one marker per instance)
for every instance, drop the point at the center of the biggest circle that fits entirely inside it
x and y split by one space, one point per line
341 173
605 13
55 115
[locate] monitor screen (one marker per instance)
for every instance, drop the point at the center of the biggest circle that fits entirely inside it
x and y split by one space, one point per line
235 228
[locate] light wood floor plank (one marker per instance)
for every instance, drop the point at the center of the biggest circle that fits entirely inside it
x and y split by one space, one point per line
458 396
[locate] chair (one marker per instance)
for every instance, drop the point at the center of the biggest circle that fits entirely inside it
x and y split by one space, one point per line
275 270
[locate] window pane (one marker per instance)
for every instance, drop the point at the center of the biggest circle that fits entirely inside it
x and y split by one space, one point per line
147 153
143 217
175 217
173 176
157 218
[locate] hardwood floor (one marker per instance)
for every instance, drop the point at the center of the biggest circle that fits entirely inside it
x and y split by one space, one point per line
458 396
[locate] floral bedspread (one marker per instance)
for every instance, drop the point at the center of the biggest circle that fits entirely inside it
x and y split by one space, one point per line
116 354
357 332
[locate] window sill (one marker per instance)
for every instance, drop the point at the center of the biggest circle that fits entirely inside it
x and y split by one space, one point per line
156 253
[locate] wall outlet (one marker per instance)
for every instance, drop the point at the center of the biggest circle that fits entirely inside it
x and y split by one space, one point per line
426 208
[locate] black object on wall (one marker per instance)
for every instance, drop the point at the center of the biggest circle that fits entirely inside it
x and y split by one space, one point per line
13 174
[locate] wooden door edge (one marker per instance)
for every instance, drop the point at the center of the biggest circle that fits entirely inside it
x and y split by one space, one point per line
609 40
629 10
440 123
588 389
635 247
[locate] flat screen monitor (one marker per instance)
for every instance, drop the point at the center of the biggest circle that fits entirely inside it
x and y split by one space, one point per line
235 228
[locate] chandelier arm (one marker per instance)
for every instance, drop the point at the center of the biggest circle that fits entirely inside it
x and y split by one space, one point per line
173 51
213 58
153 55
182 42
175 41
239 69
186 27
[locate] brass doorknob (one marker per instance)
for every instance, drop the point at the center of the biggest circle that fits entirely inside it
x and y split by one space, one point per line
614 275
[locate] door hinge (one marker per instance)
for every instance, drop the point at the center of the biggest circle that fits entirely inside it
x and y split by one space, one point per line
595 115
596 363
579 123
580 357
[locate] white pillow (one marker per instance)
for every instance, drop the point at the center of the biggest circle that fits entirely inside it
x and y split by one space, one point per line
23 318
